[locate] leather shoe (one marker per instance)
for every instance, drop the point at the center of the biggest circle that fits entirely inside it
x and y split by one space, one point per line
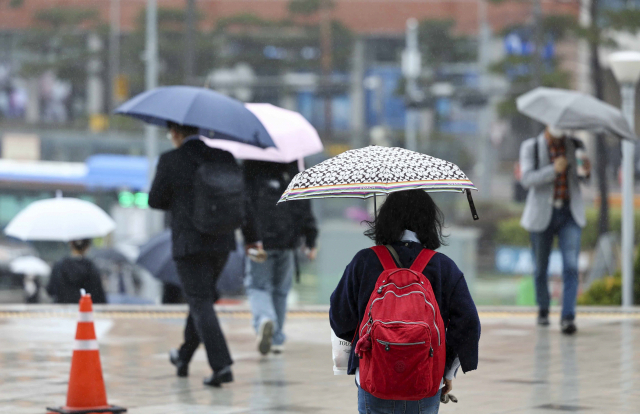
219 377
182 367
568 327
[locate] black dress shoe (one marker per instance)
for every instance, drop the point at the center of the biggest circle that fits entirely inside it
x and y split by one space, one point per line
543 317
543 320
182 367
219 377
568 327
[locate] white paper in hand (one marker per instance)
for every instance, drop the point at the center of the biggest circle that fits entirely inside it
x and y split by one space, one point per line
341 350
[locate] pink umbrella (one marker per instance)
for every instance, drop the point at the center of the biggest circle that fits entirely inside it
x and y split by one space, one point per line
294 136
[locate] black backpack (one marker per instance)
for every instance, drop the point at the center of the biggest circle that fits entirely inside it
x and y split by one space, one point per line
218 206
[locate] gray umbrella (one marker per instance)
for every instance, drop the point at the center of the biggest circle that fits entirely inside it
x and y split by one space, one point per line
566 109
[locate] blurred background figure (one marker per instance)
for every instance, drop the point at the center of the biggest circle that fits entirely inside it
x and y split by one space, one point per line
34 269
73 273
552 173
282 227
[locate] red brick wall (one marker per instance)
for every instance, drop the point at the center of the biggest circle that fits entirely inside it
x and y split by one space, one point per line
362 16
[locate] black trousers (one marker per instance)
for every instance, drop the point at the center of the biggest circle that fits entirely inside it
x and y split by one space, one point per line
199 274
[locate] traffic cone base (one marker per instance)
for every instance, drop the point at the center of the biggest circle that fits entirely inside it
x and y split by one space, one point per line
86 393
106 409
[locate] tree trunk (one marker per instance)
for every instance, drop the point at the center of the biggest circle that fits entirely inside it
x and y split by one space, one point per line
602 158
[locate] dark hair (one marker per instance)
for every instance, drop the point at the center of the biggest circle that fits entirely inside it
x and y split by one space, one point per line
412 210
184 130
81 245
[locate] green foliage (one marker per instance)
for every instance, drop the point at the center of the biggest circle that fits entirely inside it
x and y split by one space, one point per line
608 290
243 38
510 233
627 20
605 291
439 45
308 7
555 26
171 49
58 43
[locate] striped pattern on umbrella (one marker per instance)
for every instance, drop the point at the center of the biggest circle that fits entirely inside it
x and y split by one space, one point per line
364 172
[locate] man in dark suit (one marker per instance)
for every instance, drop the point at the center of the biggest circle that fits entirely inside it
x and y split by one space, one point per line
199 257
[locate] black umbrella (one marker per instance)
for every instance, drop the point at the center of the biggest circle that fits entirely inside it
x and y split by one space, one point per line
155 256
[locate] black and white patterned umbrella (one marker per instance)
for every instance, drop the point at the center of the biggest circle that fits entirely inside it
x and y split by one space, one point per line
365 172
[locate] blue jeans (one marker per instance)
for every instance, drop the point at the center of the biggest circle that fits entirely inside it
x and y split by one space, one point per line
268 285
368 404
564 226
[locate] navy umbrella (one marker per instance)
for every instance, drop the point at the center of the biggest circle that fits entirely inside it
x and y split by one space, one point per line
217 115
155 256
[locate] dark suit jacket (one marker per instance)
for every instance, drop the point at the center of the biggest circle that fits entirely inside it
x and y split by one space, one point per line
172 190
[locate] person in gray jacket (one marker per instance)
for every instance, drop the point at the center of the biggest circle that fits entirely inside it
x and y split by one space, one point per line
552 173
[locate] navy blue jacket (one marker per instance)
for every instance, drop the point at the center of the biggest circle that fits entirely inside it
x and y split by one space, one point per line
459 313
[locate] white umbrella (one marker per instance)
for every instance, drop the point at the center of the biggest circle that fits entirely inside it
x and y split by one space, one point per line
365 172
30 265
60 219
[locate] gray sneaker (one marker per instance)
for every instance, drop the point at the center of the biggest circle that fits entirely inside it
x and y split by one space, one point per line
265 335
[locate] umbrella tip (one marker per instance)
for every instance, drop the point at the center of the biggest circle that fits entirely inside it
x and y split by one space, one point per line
58 193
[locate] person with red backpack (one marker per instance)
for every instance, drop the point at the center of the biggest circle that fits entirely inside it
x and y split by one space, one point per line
407 311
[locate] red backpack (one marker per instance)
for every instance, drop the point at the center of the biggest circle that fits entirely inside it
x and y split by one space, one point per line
402 337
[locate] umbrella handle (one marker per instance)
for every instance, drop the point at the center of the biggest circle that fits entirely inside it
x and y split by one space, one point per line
472 206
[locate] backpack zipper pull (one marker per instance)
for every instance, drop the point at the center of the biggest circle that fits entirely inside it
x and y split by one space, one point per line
430 352
387 347
380 289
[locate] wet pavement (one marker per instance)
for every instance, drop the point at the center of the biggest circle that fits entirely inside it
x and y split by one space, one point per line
523 368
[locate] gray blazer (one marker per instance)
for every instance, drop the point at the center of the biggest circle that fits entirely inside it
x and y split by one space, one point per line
539 206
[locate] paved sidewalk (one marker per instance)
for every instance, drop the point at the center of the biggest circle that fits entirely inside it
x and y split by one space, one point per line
523 369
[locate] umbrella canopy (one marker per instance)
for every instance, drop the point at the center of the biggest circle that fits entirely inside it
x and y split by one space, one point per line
30 265
215 114
566 109
293 135
155 256
365 172
60 219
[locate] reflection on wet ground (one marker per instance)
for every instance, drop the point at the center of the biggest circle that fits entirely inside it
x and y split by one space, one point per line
523 368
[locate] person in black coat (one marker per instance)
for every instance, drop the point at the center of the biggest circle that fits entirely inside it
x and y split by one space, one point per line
73 273
409 221
199 257
282 227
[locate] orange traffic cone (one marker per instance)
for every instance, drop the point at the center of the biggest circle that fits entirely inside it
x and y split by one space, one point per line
86 393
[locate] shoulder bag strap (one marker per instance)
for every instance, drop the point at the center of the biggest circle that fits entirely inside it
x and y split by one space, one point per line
385 257
395 255
422 260
536 156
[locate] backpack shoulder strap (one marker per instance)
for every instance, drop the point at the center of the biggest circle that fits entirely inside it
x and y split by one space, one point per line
422 260
385 257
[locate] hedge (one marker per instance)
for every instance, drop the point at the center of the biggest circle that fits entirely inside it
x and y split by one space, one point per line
510 233
608 290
